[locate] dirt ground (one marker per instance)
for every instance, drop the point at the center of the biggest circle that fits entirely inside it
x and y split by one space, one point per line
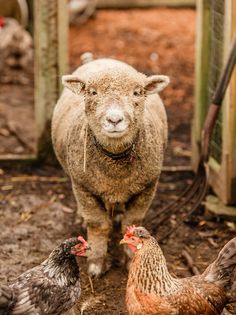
38 209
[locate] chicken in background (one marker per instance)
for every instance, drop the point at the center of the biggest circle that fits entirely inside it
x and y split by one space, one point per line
152 290
51 288
16 9
16 51
81 10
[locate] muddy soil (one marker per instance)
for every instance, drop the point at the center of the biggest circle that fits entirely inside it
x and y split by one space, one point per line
38 209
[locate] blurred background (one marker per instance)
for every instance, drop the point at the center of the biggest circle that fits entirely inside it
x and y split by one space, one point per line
145 34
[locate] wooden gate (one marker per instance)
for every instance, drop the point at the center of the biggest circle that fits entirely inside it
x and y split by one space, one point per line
216 26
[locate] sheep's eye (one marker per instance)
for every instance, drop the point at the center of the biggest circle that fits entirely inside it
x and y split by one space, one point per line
138 92
93 92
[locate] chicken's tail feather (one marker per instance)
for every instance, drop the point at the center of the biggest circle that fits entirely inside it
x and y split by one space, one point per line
7 300
222 268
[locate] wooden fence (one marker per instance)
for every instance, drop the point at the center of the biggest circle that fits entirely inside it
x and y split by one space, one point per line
216 26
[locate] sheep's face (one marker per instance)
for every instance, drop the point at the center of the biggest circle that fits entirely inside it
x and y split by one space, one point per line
114 102
114 106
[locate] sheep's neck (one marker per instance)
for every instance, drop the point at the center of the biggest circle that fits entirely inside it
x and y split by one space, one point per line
114 156
114 149
149 273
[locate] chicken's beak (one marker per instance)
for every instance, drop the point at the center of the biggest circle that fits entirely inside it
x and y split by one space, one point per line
88 248
122 242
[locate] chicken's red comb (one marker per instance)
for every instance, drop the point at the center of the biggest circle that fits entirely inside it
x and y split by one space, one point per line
130 230
2 21
82 240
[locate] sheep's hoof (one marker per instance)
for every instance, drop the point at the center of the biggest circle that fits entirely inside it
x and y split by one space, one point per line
98 267
95 270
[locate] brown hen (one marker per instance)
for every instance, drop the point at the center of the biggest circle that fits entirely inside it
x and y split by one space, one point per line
152 290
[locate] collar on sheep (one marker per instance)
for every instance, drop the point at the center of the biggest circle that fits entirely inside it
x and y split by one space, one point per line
117 156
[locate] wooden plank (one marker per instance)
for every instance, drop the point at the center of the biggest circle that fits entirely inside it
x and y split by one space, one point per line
17 157
201 75
63 40
215 205
223 179
217 178
50 24
230 115
232 91
118 4
215 68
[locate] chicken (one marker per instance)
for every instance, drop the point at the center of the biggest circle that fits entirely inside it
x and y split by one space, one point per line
7 299
51 288
152 290
81 10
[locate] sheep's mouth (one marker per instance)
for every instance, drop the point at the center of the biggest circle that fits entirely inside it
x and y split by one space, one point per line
115 133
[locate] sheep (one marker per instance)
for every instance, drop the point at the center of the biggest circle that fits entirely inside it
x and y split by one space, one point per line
109 132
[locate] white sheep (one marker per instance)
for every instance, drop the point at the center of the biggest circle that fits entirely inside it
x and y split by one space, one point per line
109 131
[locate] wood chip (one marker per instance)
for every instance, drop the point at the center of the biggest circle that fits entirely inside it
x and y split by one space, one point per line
6 187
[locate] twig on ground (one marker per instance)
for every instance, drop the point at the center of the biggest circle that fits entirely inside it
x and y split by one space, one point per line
34 178
189 261
90 303
212 242
91 285
177 168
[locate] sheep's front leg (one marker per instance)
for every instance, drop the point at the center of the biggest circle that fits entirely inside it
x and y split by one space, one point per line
98 228
136 209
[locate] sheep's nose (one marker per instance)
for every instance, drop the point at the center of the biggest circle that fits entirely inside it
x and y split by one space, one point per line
114 119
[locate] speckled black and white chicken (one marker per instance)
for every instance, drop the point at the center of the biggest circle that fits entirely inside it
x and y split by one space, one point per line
51 288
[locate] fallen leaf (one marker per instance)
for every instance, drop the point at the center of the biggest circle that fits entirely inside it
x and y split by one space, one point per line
25 216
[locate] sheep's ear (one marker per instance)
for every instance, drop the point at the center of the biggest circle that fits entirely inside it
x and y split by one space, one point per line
73 83
156 83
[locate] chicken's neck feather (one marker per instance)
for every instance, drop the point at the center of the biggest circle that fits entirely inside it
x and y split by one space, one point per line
62 267
149 272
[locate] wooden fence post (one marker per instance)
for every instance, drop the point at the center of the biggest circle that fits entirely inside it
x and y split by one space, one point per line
51 60
202 67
